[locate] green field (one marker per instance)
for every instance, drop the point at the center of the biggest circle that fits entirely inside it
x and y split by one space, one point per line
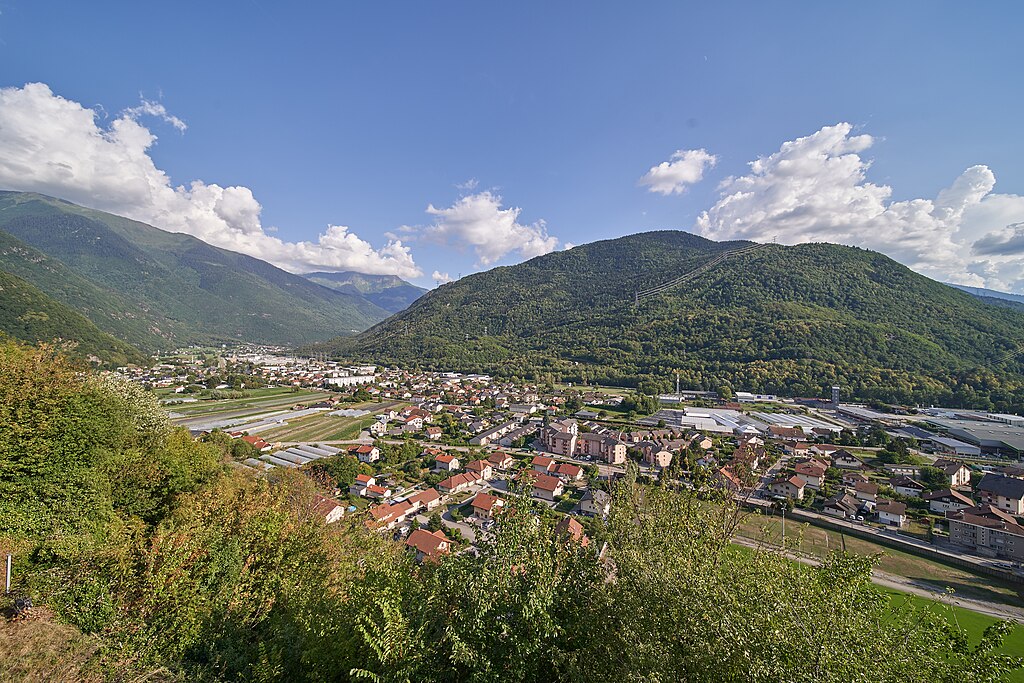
817 542
972 622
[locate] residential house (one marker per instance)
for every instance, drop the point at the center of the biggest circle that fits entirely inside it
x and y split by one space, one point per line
905 486
846 460
377 492
378 429
572 531
387 515
891 513
596 503
542 463
480 467
365 452
1003 493
987 530
428 545
457 483
547 487
959 474
843 506
791 434
851 478
797 448
726 478
358 487
434 433
330 510
813 473
446 463
258 443
788 487
426 500
567 471
947 500
500 461
866 491
486 505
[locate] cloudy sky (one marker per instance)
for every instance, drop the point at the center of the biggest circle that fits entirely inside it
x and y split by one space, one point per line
431 140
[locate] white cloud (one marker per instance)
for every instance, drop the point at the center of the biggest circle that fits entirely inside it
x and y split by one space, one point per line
685 167
441 278
480 222
150 108
468 186
815 188
54 146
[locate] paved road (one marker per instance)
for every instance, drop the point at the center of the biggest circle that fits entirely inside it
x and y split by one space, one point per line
900 583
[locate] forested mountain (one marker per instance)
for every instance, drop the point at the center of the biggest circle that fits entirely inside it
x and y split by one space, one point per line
29 315
774 318
157 289
390 292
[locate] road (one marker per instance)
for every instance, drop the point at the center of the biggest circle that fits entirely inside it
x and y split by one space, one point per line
900 583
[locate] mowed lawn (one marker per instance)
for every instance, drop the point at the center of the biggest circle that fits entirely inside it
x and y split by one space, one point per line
971 622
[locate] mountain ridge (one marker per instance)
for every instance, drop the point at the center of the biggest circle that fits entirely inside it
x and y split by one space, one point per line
781 319
158 289
390 292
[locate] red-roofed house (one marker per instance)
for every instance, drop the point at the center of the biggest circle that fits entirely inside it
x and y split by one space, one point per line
547 487
428 545
257 443
571 530
567 471
481 467
460 482
446 463
364 452
358 487
542 463
485 505
428 500
812 472
330 510
790 487
500 461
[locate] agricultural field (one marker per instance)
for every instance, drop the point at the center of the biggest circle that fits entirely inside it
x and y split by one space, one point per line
325 427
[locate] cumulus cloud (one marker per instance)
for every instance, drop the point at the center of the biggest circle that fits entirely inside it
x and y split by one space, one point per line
685 167
815 188
52 145
441 278
479 221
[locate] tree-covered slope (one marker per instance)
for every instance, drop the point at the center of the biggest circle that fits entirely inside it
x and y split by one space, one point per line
390 292
178 288
788 319
31 316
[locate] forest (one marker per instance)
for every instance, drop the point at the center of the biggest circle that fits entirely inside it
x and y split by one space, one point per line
152 556
776 319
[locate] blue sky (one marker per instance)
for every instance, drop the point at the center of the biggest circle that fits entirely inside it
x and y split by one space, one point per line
364 114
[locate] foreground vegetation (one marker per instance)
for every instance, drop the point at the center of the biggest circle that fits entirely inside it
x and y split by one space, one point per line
167 562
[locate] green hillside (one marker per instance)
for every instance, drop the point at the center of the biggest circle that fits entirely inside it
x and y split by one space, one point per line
31 316
158 289
390 292
792 320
